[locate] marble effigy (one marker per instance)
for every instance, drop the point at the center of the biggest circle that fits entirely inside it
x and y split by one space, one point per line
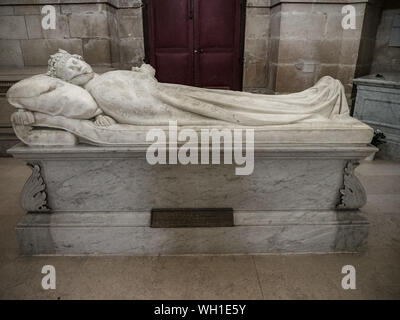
78 105
92 189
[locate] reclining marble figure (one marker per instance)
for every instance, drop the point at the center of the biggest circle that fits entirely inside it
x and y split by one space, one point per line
84 135
117 99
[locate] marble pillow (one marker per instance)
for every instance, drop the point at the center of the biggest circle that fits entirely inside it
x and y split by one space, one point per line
52 96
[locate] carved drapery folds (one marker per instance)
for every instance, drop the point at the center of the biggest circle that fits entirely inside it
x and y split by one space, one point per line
33 195
352 195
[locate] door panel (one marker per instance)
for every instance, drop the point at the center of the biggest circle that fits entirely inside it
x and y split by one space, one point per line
215 70
174 67
216 38
171 41
196 42
171 25
215 23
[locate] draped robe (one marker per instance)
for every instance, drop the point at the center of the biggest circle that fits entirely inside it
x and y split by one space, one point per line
137 98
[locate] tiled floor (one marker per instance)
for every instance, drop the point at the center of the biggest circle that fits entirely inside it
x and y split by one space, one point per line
211 277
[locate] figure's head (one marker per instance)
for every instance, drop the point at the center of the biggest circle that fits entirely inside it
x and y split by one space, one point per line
69 67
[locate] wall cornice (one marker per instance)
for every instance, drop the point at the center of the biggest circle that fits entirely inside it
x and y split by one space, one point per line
115 3
273 3
138 3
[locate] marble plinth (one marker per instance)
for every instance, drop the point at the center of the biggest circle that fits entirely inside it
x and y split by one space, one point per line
97 200
128 233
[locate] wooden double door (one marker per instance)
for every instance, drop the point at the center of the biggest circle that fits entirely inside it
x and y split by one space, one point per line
196 42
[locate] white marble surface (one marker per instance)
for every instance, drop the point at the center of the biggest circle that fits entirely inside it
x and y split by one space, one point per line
52 96
117 233
135 97
142 218
120 179
112 108
134 185
261 148
345 131
101 197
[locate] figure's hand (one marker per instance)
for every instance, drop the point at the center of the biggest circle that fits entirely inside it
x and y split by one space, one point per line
104 121
23 118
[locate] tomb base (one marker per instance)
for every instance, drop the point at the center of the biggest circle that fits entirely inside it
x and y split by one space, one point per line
98 200
126 233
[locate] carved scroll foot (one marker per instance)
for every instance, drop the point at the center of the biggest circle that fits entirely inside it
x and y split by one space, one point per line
33 195
352 195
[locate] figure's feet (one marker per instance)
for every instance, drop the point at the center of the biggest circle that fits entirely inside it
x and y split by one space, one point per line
145 68
23 118
104 121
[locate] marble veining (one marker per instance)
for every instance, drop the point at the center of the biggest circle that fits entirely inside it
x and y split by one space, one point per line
134 185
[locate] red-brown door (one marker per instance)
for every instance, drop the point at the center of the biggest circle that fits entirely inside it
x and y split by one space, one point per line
196 42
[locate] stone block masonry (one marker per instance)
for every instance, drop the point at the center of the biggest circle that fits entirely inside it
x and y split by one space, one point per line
288 45
312 43
96 30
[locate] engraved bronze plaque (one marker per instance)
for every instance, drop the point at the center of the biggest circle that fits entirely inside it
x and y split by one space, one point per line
191 217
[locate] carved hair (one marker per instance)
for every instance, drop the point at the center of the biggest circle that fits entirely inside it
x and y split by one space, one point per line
58 60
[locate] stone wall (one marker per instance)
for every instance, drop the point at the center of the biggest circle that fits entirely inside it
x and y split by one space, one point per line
130 33
273 45
105 35
305 41
256 46
371 18
386 58
289 44
309 42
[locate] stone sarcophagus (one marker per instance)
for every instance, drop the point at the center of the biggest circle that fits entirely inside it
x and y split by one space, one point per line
107 180
300 197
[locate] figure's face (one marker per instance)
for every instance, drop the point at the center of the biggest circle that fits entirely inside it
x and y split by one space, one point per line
77 71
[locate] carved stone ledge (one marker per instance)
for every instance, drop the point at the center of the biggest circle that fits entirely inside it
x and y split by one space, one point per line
33 195
352 195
